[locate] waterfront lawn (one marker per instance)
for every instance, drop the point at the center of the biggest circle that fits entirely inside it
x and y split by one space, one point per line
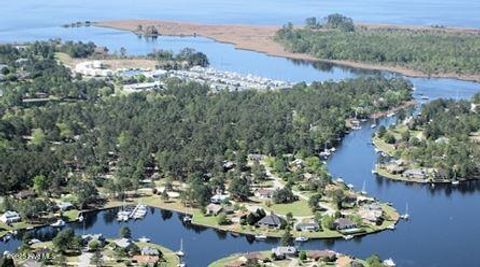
224 261
384 147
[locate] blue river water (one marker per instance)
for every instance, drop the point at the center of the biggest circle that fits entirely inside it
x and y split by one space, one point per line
442 231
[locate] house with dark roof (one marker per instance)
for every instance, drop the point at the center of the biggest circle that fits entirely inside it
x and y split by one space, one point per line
324 255
271 221
344 224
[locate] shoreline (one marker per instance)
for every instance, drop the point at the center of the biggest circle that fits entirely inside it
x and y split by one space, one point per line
159 204
259 38
381 172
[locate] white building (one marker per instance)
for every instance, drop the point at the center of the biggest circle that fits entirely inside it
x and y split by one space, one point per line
10 217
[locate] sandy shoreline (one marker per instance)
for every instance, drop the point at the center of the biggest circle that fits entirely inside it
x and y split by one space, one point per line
259 38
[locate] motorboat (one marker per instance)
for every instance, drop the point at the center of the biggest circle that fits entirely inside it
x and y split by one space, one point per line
260 237
301 239
180 252
139 212
144 239
389 262
187 219
348 237
58 223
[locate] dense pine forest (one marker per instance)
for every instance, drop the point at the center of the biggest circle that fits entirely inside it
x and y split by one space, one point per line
428 50
185 130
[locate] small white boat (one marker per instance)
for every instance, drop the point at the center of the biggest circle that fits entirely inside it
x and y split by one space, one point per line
123 216
339 180
139 212
144 239
29 228
351 186
405 216
364 190
182 264
187 219
348 237
34 241
80 218
377 150
389 262
58 223
425 98
373 126
374 171
260 237
301 239
180 252
391 114
7 237
455 182
391 227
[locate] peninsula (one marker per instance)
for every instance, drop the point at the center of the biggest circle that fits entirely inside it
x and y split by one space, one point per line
440 145
272 40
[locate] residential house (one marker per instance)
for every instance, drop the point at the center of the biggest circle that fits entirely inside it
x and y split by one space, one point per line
283 252
213 209
145 260
263 193
10 217
415 173
148 251
371 213
309 226
63 206
394 168
123 243
344 224
323 255
271 221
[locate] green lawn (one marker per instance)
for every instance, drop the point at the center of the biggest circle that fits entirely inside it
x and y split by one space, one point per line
297 208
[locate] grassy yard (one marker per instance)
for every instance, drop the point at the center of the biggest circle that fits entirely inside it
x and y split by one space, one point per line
298 208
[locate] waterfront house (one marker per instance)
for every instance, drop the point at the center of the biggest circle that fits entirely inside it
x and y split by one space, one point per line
283 252
148 251
309 226
415 174
271 221
394 168
124 243
344 224
10 217
213 209
323 255
371 213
